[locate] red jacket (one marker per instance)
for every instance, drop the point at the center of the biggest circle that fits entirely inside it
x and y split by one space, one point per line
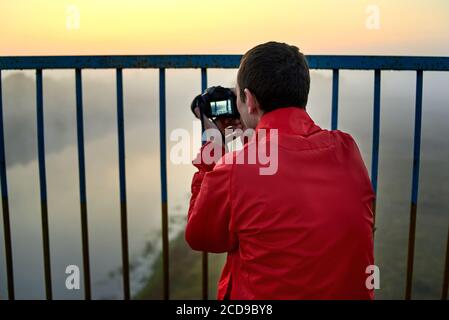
304 232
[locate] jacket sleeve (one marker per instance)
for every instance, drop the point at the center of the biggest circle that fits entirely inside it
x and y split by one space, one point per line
209 216
360 173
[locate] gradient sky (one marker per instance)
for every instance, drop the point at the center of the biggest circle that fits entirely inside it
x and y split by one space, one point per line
39 27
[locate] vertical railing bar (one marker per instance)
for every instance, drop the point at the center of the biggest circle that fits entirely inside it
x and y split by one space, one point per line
205 264
122 178
444 292
376 133
43 183
82 183
415 183
5 204
163 168
335 89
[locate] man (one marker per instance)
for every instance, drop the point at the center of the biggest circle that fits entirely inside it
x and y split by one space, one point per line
302 232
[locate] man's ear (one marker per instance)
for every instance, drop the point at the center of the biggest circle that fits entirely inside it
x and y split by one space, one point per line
251 102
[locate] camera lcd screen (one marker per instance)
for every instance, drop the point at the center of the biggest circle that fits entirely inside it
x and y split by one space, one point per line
221 107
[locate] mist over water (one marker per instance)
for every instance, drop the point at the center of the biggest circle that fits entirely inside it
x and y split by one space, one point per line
141 107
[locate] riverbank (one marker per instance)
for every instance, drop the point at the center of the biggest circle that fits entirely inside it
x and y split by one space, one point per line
184 271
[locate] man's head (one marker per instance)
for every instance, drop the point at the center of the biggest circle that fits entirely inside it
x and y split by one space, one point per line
272 75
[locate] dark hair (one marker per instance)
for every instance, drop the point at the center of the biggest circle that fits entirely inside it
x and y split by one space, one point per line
277 74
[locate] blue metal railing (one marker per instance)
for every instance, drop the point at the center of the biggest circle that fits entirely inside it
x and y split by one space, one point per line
162 62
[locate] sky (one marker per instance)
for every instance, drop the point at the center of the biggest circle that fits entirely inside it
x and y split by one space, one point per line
60 27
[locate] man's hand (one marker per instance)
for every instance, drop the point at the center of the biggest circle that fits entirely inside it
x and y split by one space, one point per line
221 124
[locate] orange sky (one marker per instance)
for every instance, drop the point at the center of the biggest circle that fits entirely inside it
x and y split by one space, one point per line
51 27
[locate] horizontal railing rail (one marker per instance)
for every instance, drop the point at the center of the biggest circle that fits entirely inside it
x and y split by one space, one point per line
203 62
219 61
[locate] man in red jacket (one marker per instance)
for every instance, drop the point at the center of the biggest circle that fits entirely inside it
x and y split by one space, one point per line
303 231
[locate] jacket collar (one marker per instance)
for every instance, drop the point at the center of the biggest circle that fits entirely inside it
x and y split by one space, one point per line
288 120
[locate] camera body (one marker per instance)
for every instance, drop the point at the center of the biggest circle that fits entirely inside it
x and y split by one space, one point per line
217 102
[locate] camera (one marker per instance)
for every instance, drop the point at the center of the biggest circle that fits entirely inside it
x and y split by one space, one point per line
217 102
